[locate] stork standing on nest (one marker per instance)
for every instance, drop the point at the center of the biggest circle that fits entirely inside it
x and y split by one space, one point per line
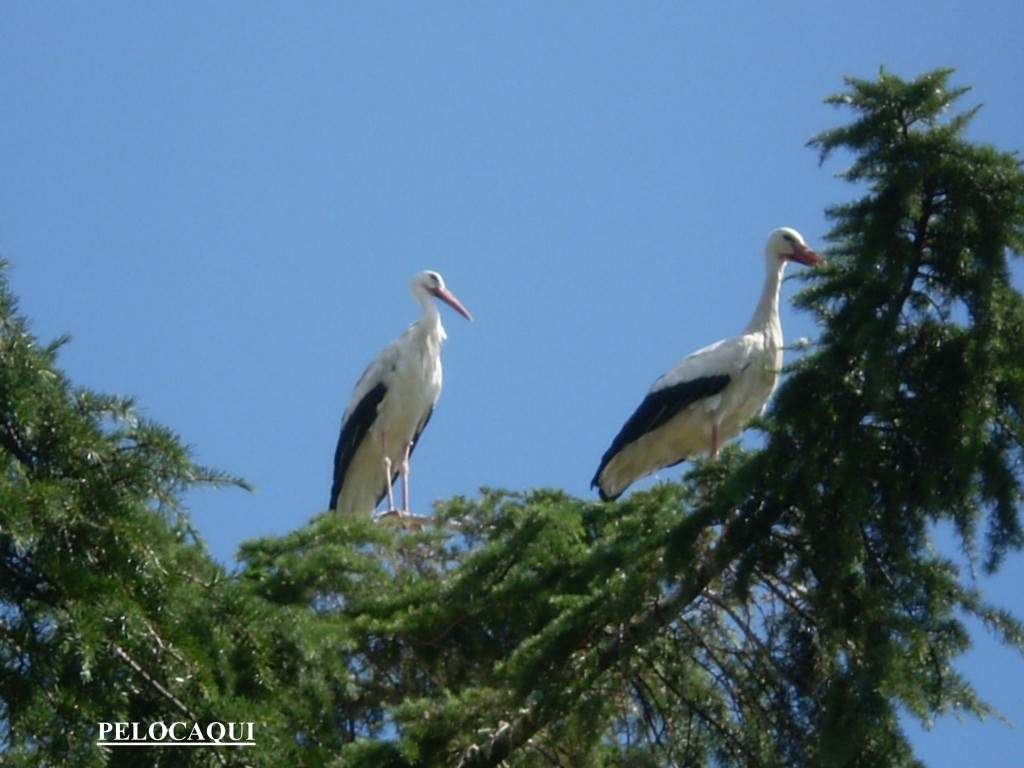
390 406
708 397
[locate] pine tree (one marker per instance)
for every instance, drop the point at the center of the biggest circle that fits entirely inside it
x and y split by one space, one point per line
110 608
780 606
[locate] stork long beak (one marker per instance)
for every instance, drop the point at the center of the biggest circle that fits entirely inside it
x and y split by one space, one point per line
805 256
449 298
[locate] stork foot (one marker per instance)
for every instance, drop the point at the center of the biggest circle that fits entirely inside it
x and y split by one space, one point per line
402 517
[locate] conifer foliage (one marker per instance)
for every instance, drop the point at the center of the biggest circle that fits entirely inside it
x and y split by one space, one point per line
778 607
105 595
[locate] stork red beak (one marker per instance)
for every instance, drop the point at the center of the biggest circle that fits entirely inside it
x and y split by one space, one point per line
449 298
805 256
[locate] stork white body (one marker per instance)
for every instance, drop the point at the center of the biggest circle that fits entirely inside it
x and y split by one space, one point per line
708 397
391 404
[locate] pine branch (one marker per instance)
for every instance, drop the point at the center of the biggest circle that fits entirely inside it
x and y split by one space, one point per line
527 722
152 682
10 441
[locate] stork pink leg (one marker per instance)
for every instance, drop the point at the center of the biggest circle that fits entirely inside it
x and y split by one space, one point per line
387 480
714 440
387 471
405 478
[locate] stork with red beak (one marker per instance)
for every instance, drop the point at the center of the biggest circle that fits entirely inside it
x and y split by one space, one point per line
390 406
708 397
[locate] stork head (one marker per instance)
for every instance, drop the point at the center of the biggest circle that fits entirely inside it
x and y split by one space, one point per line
785 244
430 283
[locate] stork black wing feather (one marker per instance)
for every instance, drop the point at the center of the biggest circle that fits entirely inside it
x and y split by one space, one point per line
659 407
352 433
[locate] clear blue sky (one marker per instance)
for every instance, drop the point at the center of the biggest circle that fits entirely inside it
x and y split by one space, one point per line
223 204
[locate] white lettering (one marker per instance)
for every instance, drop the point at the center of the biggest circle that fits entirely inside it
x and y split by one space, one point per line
188 733
210 729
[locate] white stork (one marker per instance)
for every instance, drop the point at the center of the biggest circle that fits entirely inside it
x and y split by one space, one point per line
390 406
708 397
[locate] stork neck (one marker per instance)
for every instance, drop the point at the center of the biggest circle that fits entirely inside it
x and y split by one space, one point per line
430 317
766 316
